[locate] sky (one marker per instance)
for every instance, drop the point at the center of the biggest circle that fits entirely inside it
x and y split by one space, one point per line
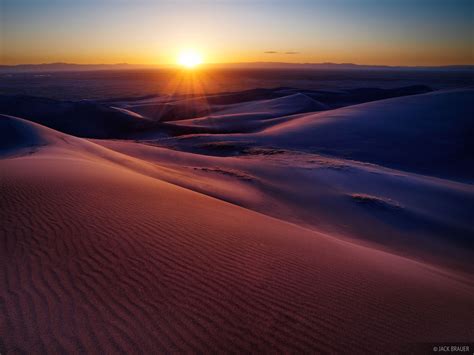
388 32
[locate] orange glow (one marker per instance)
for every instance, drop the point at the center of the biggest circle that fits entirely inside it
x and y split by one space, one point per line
189 58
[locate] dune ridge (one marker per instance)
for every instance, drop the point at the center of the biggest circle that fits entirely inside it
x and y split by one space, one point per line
426 133
111 247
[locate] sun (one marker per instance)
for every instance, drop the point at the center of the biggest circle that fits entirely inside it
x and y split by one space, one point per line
189 58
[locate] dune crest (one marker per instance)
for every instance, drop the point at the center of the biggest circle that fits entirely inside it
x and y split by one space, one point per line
120 246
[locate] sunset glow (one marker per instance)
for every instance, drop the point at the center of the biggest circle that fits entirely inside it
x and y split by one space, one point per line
154 32
189 59
216 176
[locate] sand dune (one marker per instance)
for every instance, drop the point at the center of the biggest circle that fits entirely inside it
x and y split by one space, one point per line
389 132
279 101
428 134
332 231
252 116
128 116
99 257
80 118
18 135
283 174
281 106
423 218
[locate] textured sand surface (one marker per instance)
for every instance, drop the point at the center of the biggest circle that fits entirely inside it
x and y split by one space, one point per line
111 247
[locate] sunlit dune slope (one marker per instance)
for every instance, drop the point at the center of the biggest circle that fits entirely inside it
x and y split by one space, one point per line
98 257
412 215
251 116
272 102
428 133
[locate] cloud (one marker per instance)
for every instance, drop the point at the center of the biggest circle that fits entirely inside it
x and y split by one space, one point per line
276 52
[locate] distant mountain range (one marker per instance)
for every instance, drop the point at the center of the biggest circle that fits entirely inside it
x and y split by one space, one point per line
50 67
333 66
63 67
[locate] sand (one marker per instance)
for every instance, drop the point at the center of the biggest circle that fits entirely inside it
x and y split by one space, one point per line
116 246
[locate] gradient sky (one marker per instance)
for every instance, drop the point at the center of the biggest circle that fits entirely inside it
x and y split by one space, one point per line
392 32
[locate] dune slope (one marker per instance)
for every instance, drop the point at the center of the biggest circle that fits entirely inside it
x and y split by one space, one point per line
98 257
417 216
428 134
80 118
252 116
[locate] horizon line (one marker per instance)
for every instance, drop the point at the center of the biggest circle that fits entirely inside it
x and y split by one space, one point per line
240 63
